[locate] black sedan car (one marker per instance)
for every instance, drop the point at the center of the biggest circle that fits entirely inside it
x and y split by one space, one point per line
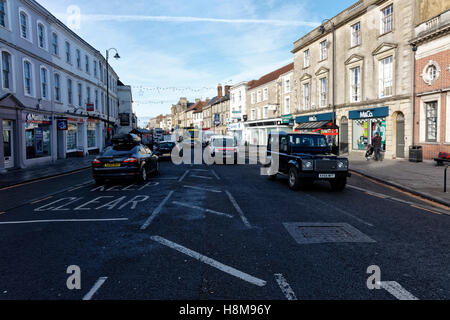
164 149
125 160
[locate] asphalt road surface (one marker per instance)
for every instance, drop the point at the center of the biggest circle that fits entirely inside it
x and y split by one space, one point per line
219 232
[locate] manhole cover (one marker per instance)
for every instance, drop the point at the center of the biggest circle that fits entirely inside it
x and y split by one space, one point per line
309 233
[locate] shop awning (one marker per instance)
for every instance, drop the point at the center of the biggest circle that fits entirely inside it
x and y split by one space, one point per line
313 125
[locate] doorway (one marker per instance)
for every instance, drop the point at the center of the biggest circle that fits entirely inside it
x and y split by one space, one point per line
400 134
8 144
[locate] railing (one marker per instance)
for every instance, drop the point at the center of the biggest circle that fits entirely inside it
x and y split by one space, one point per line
433 23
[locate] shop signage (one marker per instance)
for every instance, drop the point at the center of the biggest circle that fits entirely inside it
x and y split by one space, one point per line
315 118
234 126
75 120
89 107
61 124
217 119
369 113
287 119
38 118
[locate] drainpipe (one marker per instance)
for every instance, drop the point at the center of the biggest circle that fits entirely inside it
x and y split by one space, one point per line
414 49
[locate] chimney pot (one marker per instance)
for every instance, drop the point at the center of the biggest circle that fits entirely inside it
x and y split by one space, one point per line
219 91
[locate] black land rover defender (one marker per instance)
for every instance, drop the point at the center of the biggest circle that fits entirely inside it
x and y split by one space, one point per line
305 158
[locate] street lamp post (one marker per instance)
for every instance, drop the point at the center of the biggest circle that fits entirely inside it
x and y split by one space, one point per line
107 88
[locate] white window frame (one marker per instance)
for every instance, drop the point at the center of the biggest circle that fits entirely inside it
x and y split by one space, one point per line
69 92
266 94
323 94
382 81
48 84
306 58
287 105
78 58
7 25
68 51
386 25
253 114
45 35
79 88
258 96
355 97
54 33
12 73
422 116
32 94
265 112
306 98
323 50
287 86
55 88
87 65
253 97
29 30
355 34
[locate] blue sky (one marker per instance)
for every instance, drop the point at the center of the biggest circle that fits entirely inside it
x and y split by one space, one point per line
185 48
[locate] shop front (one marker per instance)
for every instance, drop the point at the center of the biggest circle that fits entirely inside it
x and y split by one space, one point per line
365 124
257 132
237 131
93 136
319 123
38 136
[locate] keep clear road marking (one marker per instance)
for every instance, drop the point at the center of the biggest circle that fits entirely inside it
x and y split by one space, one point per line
211 262
95 288
239 210
63 220
215 174
202 189
201 177
202 209
157 211
397 290
285 287
183 176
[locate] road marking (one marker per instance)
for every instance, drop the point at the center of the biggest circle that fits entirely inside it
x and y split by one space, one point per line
40 200
2 213
201 177
211 262
157 211
173 178
215 174
425 209
397 290
373 194
63 220
202 209
201 170
183 176
238 209
202 189
43 179
76 188
339 210
95 288
285 287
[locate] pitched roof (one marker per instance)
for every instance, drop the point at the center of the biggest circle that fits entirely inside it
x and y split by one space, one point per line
197 106
271 76
219 100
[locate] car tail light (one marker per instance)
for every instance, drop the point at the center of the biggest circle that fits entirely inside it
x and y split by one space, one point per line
130 160
96 161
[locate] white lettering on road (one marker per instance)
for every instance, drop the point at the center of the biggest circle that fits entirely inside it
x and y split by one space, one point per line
62 220
111 205
50 206
134 202
83 206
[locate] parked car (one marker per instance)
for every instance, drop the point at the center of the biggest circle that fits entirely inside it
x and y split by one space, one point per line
223 147
127 158
305 158
164 149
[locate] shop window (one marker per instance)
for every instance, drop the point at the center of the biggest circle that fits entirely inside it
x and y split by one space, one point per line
431 121
91 135
71 142
364 130
38 142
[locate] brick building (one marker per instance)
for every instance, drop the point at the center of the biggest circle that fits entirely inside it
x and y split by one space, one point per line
432 85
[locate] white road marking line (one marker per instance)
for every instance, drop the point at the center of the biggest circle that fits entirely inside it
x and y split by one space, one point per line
76 188
202 209
2 213
397 290
156 212
201 177
95 288
202 189
285 287
238 209
174 178
40 200
338 210
63 220
184 176
215 174
201 170
211 262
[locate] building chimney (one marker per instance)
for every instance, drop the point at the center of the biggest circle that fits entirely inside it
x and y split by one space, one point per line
219 91
197 100
227 90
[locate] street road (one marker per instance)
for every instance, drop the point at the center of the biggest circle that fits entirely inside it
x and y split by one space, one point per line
219 232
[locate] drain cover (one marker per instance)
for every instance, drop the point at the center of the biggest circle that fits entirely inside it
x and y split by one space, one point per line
309 233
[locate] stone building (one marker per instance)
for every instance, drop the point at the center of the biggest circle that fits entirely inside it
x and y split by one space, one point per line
356 71
432 80
220 110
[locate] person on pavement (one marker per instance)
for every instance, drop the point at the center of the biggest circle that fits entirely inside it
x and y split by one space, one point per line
376 142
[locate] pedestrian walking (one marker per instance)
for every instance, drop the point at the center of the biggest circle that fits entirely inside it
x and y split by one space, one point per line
376 143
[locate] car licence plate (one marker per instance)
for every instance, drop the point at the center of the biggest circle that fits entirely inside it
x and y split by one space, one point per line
166 154
327 176
112 165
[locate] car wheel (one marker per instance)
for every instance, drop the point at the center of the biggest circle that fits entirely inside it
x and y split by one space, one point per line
338 184
294 179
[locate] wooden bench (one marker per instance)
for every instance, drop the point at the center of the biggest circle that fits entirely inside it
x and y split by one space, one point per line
443 157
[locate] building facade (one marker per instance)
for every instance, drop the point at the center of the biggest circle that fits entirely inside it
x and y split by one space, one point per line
357 70
126 116
432 83
53 101
220 110
238 111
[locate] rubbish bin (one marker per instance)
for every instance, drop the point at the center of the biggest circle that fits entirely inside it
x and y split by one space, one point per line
415 154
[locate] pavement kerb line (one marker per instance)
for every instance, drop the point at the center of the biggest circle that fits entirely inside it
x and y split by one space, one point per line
62 174
443 204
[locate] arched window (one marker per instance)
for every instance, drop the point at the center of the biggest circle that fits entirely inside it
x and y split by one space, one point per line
55 44
28 78
6 70
3 13
44 83
41 36
24 27
57 83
